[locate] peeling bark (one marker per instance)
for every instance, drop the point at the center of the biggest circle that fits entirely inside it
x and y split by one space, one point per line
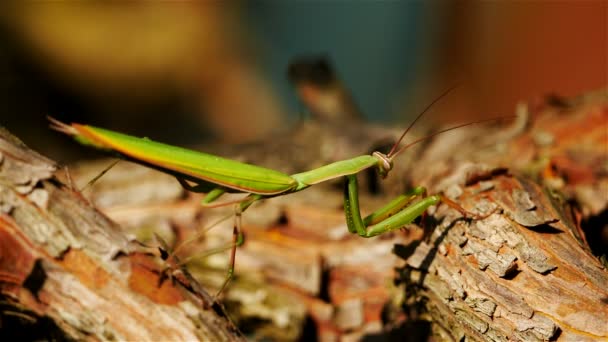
498 279
68 272
525 272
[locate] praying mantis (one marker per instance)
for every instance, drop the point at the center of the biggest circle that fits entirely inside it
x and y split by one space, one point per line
216 176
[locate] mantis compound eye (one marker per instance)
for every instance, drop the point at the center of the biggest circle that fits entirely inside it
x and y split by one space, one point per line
385 163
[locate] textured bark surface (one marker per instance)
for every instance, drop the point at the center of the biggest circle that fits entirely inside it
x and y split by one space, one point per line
525 272
68 272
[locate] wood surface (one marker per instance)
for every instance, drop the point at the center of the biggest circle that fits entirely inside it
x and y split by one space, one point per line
528 271
67 272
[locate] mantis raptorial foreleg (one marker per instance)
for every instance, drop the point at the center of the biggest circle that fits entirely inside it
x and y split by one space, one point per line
394 215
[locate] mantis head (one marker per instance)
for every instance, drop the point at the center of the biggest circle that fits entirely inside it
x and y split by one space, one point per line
385 163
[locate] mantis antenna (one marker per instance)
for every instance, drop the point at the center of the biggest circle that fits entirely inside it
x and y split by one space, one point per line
392 151
396 151
404 147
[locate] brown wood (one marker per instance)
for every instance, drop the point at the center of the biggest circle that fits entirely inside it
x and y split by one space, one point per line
68 272
525 272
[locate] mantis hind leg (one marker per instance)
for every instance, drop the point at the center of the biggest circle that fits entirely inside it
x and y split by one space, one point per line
175 263
237 238
237 235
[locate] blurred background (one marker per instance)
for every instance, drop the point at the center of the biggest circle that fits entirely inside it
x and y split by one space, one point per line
192 71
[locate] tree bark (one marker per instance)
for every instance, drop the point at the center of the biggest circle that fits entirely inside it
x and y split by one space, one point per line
67 272
524 272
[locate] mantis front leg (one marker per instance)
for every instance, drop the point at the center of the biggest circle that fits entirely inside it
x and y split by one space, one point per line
393 216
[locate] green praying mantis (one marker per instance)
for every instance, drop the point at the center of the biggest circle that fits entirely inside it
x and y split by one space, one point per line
216 176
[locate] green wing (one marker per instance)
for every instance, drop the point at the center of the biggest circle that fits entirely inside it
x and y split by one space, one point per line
180 161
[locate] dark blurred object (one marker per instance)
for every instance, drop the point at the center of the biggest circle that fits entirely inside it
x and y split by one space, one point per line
380 49
321 91
314 70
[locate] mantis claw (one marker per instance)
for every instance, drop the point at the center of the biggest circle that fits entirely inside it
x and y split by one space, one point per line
465 213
